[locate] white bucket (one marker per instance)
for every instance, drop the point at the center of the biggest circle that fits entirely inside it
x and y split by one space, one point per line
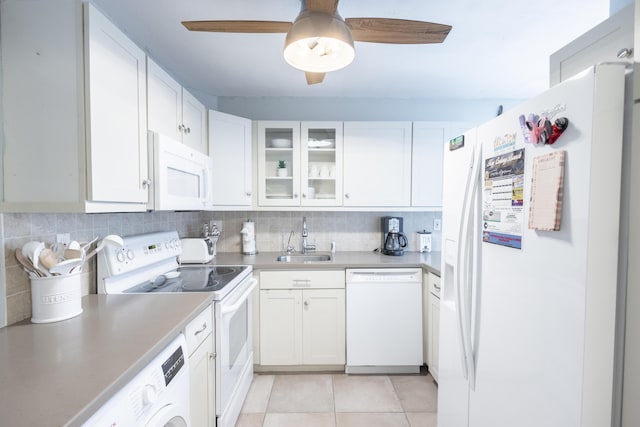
56 298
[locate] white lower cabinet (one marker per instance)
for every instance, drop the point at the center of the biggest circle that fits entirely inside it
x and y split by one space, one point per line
302 326
199 335
434 326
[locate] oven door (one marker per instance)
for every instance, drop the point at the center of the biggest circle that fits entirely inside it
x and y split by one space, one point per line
234 348
180 175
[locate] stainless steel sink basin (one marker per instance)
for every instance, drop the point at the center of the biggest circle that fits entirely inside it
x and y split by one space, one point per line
304 258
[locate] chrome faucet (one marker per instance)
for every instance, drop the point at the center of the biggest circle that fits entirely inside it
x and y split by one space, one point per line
305 247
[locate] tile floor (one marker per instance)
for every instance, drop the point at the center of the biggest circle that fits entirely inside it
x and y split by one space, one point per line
339 400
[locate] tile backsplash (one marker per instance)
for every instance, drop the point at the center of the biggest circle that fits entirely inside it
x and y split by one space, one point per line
352 231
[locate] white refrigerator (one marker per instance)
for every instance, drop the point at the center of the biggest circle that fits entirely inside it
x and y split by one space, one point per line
528 314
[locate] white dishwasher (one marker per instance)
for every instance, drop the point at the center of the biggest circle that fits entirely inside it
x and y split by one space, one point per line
384 320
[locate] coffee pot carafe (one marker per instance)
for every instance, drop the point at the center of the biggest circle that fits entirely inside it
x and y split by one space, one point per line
394 243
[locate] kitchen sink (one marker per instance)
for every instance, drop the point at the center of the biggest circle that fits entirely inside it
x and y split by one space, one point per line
304 258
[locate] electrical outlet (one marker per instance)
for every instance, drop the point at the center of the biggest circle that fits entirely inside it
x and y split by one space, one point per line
63 238
437 224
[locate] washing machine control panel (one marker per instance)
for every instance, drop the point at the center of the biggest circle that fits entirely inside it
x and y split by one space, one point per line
165 381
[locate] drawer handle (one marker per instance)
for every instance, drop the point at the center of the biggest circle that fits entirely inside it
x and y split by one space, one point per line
436 286
302 282
201 330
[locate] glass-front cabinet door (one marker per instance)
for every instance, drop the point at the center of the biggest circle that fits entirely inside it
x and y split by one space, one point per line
321 163
279 163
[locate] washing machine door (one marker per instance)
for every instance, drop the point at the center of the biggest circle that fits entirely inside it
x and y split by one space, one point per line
169 416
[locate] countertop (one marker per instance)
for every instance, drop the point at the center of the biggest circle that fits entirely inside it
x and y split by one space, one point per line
267 261
59 374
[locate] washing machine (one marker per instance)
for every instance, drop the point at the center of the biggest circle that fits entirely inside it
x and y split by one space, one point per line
158 396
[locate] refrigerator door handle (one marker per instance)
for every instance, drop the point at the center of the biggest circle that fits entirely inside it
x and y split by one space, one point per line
461 275
470 246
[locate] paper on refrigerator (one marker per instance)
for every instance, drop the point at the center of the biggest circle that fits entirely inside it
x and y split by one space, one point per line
502 207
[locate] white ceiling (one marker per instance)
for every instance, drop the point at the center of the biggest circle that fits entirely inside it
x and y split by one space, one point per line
496 49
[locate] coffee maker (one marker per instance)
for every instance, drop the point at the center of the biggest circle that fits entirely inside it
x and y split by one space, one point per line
393 239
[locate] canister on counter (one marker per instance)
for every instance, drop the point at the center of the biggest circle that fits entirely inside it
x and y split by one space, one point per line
424 241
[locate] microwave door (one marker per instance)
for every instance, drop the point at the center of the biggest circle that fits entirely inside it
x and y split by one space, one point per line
181 176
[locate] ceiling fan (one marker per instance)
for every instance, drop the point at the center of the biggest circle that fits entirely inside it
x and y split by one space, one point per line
319 40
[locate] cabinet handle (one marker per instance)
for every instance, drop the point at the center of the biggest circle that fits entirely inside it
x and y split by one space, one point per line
436 286
295 195
187 130
201 330
346 196
306 303
146 183
302 282
249 193
181 128
625 53
304 195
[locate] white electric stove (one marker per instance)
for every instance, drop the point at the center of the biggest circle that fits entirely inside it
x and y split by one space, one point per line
148 263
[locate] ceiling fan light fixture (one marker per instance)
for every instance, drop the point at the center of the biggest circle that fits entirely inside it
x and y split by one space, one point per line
319 43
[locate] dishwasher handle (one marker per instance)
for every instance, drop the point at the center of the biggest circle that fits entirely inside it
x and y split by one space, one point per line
399 275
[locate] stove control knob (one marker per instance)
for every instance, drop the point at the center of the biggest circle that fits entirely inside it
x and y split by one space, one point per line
120 257
149 395
130 254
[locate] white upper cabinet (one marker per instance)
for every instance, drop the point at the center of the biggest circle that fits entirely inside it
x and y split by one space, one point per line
312 154
173 111
377 159
429 139
611 40
230 148
74 107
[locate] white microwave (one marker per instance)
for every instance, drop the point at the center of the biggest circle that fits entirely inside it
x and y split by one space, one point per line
180 175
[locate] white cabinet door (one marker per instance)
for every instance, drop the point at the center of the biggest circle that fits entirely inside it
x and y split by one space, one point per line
194 122
433 359
323 328
230 149
201 368
280 327
321 163
426 171
116 71
164 102
434 338
426 334
429 141
173 111
377 164
278 142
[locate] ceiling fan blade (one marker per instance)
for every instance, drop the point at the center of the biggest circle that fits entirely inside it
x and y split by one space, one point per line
397 31
325 6
239 26
313 78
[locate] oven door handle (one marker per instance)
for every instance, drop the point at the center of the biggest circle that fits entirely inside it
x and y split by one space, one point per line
233 308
